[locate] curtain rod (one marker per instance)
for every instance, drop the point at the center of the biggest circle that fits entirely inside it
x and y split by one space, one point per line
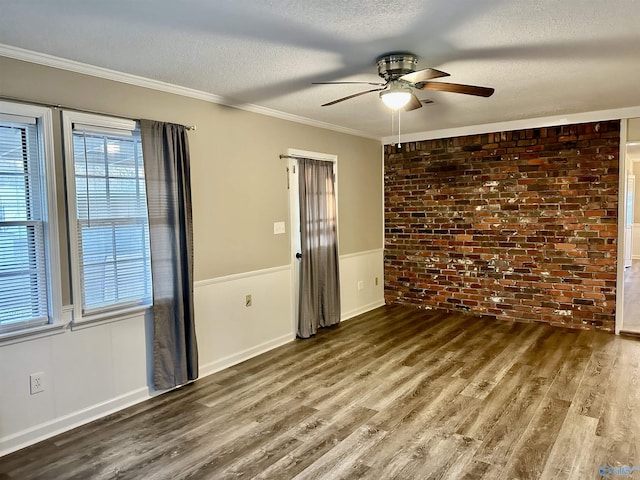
75 109
296 157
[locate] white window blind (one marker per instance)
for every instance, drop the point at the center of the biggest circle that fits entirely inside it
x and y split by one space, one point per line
23 267
111 219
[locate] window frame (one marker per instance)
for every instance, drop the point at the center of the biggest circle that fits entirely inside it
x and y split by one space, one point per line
44 123
99 124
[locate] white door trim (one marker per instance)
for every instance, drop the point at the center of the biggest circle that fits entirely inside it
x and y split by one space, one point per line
622 209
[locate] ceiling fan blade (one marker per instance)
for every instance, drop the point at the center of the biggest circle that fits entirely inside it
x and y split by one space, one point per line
348 83
351 96
456 88
423 75
413 104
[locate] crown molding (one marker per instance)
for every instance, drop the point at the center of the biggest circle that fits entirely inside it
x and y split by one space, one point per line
108 74
584 117
114 75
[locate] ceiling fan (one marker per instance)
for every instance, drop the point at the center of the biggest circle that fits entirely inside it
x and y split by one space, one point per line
400 75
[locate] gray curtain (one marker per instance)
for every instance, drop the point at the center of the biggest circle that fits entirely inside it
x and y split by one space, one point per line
319 274
166 166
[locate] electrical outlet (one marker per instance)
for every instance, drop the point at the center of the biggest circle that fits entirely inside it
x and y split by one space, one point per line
376 281
36 383
360 285
247 300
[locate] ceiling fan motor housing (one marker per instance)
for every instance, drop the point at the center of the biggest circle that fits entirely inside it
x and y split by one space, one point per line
394 65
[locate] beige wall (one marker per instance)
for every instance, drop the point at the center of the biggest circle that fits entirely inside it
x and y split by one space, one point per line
633 130
239 185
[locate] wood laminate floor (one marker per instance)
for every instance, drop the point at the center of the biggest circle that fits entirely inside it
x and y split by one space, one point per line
395 393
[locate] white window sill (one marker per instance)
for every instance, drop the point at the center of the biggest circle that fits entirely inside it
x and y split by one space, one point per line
24 335
32 333
95 320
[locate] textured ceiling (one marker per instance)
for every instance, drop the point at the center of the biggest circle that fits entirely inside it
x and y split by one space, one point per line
543 57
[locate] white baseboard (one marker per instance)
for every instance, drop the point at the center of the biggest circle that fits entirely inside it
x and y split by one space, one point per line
63 424
246 354
361 310
231 360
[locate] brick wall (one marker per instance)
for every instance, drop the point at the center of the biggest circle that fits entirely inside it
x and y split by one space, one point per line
517 225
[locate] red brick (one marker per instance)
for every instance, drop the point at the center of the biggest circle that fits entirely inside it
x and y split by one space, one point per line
542 233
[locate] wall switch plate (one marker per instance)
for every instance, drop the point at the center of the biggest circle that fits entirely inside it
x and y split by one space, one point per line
376 281
36 383
247 300
278 228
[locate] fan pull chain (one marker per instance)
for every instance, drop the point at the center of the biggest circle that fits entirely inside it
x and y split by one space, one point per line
393 125
399 144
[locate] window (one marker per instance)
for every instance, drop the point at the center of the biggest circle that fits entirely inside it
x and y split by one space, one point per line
28 235
108 217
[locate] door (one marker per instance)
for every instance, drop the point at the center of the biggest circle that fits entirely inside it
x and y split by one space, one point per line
294 220
628 285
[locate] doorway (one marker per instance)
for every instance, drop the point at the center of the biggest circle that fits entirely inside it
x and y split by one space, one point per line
629 229
294 219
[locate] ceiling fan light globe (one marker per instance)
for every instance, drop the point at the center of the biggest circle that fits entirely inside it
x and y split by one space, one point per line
395 99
